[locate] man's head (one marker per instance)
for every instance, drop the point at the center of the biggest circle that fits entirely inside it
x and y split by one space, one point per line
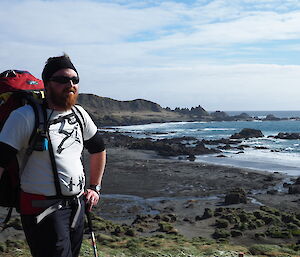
61 80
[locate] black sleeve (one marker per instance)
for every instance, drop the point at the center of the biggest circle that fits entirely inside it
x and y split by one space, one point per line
95 144
7 153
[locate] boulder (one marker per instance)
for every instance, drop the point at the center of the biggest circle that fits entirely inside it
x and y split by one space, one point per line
247 133
191 157
208 213
294 189
236 196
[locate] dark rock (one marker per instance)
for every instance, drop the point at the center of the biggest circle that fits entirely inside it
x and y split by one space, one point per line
275 151
269 178
221 156
208 213
186 219
294 189
297 182
170 147
247 133
197 218
220 116
271 117
272 192
130 232
191 157
195 112
243 116
225 147
236 196
291 136
169 209
261 147
236 233
225 141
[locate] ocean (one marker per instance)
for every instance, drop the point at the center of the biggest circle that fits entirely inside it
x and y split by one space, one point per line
280 155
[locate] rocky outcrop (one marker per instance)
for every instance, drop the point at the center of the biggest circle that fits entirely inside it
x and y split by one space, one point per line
291 136
271 117
219 116
108 105
170 147
165 147
236 196
243 116
295 188
193 112
247 133
225 141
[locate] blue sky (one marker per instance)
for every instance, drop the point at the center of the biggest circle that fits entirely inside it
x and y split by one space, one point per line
221 54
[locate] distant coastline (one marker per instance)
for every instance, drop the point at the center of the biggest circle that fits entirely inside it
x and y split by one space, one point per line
110 112
263 114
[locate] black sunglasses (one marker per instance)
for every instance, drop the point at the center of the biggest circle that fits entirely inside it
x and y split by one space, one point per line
64 80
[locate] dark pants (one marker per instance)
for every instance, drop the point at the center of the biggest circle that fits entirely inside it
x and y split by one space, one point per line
53 236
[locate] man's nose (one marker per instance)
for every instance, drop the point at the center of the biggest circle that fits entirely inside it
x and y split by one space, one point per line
70 83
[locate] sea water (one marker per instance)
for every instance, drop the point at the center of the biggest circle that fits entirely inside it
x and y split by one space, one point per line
280 155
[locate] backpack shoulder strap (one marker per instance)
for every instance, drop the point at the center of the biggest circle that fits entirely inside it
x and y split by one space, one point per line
80 119
38 140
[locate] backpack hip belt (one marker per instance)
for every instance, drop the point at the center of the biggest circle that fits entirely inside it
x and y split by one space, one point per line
57 204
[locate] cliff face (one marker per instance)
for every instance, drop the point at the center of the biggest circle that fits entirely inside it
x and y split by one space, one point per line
108 105
109 112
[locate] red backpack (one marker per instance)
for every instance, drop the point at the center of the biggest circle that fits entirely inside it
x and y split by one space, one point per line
17 88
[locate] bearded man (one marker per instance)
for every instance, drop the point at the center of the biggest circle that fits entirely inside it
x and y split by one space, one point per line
52 197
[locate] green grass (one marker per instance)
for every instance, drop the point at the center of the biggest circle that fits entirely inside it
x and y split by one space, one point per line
162 245
162 239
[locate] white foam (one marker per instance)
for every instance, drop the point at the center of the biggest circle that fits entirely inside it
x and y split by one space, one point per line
218 129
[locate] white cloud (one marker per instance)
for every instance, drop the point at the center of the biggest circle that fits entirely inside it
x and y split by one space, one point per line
212 53
259 87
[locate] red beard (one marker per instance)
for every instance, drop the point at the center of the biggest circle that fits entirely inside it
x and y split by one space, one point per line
64 100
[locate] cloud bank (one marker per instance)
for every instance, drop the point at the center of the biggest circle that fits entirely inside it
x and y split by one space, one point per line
227 55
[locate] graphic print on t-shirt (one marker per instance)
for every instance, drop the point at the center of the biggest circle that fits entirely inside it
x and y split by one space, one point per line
70 132
81 183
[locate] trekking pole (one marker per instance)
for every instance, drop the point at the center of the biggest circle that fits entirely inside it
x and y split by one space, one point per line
90 225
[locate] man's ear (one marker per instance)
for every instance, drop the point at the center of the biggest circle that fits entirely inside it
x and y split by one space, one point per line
45 86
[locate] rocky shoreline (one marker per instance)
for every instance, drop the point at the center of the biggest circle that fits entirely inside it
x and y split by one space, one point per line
145 184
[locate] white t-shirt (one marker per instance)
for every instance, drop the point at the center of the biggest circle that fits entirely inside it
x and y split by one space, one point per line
67 141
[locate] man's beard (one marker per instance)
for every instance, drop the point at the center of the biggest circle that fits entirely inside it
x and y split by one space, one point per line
64 100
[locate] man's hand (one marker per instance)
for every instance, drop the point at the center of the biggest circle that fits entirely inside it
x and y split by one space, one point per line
92 199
